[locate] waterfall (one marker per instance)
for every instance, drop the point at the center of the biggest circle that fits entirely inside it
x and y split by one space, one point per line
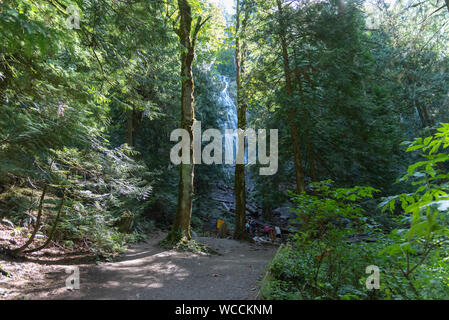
230 118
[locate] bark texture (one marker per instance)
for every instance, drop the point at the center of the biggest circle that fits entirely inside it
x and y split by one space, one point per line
239 182
181 225
294 130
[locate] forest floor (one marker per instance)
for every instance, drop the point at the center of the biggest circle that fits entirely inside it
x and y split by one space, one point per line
145 271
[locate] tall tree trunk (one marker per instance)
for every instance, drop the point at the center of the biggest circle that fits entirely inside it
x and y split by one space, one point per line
422 110
294 130
181 225
130 127
427 116
309 149
239 182
310 157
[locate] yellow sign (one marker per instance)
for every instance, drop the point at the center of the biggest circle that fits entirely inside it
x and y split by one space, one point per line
219 223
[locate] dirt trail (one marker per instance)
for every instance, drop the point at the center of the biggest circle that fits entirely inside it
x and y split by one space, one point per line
148 272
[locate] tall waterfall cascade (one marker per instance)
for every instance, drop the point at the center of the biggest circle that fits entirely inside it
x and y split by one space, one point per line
230 119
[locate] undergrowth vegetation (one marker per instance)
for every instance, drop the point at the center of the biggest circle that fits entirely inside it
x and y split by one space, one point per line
89 115
104 203
324 260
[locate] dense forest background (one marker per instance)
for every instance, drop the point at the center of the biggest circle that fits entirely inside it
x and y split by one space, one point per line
87 112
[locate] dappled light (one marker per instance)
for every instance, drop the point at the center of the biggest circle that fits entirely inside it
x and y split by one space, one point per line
224 150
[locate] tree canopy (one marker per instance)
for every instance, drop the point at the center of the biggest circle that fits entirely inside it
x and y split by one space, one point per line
91 91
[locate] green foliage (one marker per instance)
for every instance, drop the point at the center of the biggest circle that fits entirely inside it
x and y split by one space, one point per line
322 214
65 93
89 111
300 272
420 244
425 209
322 263
103 182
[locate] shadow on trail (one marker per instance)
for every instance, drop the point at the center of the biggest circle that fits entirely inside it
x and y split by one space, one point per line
147 271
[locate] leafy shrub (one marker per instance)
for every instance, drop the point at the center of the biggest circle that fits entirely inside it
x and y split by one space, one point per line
419 247
322 262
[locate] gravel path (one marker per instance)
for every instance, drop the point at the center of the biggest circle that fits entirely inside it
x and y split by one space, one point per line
148 272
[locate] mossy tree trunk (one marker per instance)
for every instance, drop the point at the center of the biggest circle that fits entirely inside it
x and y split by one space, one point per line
181 225
239 179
